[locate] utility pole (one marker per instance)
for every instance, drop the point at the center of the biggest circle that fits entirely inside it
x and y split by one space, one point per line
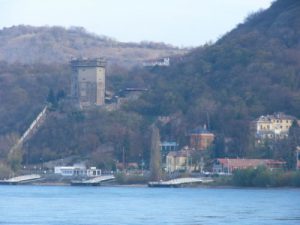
208 121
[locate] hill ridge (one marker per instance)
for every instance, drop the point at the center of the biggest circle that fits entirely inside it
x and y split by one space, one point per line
48 44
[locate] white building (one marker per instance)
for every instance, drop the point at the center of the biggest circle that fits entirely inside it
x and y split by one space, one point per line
272 127
93 172
161 62
77 171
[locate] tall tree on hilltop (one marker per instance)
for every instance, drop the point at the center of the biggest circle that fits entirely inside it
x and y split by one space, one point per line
155 158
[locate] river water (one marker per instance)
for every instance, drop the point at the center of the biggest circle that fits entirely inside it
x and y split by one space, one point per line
45 205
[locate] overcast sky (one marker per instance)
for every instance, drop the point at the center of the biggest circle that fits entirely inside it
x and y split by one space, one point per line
178 22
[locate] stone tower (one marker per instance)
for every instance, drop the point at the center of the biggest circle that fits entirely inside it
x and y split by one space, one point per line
88 82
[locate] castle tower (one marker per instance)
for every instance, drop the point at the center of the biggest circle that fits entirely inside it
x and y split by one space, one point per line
88 82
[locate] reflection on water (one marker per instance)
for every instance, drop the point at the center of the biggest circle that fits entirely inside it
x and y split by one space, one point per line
33 205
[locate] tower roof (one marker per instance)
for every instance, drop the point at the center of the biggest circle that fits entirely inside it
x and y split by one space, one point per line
200 130
88 62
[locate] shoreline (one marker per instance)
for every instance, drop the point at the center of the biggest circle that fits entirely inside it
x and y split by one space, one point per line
63 184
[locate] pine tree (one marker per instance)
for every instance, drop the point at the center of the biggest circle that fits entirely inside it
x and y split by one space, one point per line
51 97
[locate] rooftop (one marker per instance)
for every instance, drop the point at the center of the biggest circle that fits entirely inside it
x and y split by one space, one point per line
168 143
275 116
184 152
88 62
200 130
245 163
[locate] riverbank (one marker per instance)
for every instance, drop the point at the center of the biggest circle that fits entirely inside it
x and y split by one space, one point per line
259 177
208 186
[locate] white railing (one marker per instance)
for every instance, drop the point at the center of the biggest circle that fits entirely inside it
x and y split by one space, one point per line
179 181
35 124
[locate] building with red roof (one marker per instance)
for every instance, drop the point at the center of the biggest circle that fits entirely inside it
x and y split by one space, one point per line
201 139
227 165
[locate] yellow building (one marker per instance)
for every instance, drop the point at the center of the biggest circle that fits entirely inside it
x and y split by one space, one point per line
272 126
178 161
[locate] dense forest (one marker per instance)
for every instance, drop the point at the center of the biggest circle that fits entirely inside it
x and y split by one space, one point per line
250 71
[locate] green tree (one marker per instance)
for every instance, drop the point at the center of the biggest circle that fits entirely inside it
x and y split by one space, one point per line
15 158
51 97
5 171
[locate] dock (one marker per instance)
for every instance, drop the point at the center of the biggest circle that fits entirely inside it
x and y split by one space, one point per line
180 182
96 181
21 179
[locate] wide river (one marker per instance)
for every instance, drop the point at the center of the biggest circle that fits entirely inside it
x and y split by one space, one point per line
45 205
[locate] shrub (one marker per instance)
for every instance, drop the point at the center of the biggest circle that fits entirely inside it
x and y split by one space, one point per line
263 177
123 178
5 171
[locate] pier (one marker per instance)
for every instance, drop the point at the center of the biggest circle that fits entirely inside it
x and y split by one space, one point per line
21 179
96 181
180 182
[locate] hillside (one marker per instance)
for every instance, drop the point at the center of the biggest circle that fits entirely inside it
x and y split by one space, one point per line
252 70
29 45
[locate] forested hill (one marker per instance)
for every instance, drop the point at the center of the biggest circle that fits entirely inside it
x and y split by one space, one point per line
252 70
27 44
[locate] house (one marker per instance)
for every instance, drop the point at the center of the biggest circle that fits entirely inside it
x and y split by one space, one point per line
166 147
201 139
77 170
132 166
226 165
271 127
160 62
93 172
179 160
